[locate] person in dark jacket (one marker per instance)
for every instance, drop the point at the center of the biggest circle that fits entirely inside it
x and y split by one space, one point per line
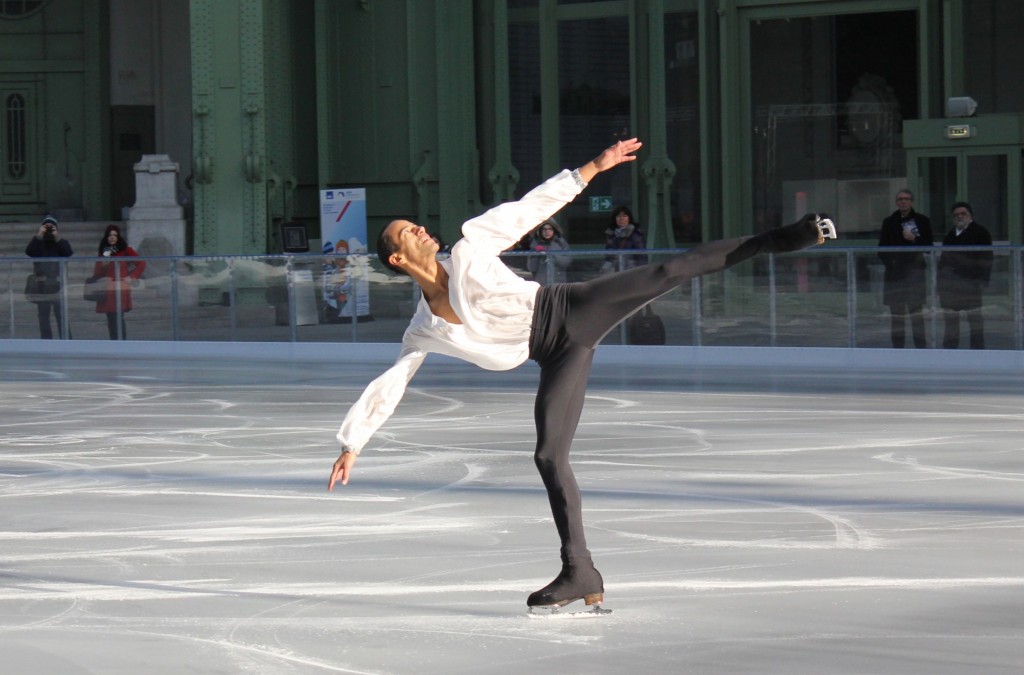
904 285
963 275
47 243
121 275
623 233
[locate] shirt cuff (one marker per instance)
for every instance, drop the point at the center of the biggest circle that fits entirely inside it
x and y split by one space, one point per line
579 179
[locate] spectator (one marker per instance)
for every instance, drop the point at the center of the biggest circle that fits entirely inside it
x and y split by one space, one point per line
904 286
47 243
963 275
623 233
122 276
547 239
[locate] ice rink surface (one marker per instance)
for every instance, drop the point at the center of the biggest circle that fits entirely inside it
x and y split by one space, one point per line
171 516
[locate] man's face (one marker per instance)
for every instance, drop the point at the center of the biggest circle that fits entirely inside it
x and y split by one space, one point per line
411 241
904 202
961 217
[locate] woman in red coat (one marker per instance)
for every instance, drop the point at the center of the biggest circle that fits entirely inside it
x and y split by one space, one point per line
127 273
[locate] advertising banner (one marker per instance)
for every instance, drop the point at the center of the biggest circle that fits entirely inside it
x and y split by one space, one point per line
346 291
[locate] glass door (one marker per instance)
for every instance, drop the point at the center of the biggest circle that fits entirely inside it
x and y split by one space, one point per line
981 177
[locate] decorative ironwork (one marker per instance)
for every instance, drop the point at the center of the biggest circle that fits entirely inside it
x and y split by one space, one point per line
16 159
20 9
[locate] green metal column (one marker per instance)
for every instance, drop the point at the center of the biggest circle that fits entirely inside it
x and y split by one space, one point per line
734 127
502 174
458 191
96 112
229 141
657 170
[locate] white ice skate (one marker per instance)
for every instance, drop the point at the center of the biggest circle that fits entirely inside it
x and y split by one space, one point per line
827 227
568 610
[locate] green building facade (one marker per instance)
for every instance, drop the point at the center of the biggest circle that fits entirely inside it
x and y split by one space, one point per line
752 111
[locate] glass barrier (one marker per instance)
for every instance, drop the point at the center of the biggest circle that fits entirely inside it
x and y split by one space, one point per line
824 297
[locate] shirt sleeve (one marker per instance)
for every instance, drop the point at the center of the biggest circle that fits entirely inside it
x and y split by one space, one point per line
379 400
505 224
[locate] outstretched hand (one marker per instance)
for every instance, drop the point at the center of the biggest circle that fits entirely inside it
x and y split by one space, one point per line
342 468
616 154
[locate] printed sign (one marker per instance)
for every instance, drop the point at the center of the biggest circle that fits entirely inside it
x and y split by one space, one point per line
346 291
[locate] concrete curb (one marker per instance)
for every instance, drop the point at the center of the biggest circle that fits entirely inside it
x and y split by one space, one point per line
818 358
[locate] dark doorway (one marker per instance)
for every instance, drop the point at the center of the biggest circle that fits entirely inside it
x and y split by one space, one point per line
133 134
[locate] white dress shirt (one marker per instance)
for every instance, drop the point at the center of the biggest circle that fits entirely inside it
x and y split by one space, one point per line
494 304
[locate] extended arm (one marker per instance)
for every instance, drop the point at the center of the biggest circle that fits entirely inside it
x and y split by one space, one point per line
503 225
373 408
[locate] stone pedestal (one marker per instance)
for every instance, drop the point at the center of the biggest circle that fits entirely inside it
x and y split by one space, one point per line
156 223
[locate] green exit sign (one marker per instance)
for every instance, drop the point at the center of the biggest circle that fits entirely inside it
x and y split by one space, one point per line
600 204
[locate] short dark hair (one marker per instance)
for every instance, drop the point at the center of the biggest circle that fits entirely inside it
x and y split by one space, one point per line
384 250
962 205
622 209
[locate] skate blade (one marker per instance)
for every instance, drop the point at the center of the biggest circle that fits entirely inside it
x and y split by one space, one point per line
556 612
827 227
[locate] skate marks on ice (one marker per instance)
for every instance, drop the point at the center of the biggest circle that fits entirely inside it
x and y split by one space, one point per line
188 520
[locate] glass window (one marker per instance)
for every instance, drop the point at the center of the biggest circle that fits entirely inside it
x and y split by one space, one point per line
524 101
594 112
994 55
829 96
682 123
20 9
987 182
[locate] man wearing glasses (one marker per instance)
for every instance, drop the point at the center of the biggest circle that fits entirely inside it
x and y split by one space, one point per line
904 286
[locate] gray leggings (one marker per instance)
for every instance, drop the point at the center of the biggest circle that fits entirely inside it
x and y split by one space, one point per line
569 321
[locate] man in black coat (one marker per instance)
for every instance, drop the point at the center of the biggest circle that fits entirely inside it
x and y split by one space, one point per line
963 275
904 288
47 243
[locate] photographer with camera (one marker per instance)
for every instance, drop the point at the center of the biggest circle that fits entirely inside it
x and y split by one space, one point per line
43 287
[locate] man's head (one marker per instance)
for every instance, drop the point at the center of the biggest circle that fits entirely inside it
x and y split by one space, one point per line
904 201
962 215
403 244
385 249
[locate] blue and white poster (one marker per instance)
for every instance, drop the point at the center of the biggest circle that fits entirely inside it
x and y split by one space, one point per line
346 291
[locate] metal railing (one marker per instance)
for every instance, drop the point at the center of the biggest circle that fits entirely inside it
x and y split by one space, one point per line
829 296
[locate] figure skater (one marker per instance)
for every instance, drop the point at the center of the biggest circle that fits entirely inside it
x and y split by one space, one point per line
475 308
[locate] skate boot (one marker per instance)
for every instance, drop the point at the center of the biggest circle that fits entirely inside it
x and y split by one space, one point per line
576 581
810 230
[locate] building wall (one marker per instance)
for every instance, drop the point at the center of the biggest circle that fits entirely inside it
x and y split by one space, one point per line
412 100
